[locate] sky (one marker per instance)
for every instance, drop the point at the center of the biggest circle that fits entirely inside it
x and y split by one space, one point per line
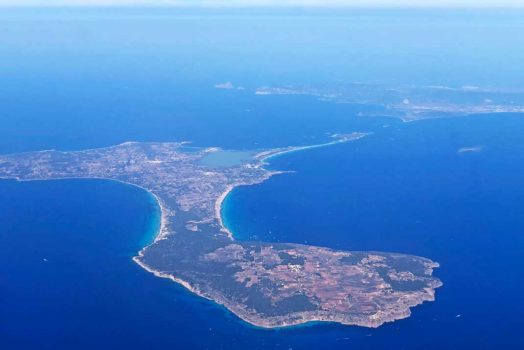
280 3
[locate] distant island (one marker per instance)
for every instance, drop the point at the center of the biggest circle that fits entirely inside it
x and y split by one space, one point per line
265 284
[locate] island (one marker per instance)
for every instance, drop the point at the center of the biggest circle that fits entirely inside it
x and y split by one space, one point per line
265 284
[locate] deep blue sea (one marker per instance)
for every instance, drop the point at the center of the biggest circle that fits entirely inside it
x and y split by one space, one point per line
73 80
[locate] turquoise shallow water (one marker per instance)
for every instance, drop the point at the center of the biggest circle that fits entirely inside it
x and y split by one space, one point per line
154 223
76 80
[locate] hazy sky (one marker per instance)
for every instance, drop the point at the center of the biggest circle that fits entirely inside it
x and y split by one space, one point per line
220 3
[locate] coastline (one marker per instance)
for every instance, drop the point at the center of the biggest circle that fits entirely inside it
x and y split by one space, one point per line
156 224
220 200
266 155
218 210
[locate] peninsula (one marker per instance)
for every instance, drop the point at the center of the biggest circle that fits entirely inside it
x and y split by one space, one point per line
265 284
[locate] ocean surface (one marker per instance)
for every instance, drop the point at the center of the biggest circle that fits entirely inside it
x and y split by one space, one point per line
447 189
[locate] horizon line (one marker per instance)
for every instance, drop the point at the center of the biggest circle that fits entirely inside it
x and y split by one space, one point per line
313 6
